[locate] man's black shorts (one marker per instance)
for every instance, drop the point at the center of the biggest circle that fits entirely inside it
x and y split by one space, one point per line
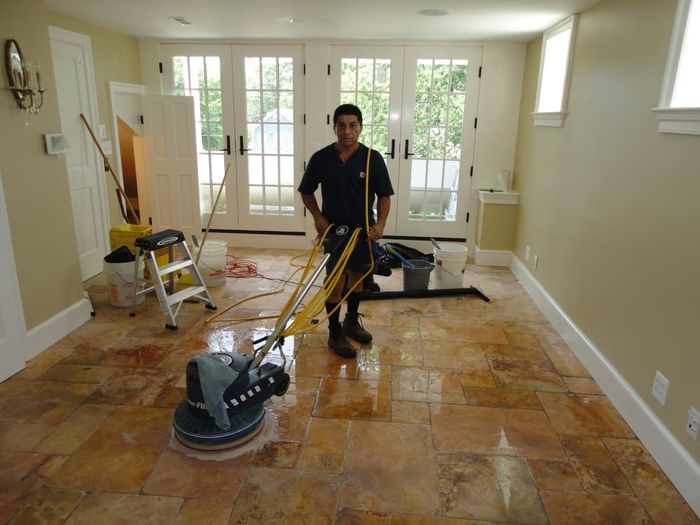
335 243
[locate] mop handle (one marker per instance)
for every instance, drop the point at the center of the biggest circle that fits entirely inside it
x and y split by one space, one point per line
401 257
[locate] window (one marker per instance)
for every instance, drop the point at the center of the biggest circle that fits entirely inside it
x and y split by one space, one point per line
679 107
555 65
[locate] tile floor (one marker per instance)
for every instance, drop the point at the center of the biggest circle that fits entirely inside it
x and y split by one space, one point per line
461 411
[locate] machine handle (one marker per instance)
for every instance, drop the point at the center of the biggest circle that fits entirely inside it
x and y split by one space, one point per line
241 148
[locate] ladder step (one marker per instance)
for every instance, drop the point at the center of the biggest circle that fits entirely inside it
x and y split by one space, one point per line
174 266
184 294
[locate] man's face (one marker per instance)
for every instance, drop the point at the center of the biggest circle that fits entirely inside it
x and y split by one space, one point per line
347 129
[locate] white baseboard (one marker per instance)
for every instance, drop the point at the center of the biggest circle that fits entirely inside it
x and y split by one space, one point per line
47 333
492 257
674 459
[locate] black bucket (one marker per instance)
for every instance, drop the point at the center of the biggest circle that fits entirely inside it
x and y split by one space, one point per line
416 274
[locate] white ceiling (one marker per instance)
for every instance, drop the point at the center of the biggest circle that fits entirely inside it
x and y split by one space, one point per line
513 20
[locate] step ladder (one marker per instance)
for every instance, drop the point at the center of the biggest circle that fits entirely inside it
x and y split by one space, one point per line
170 300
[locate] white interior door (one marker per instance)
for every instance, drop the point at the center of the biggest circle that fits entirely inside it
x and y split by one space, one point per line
169 138
371 78
12 328
72 61
437 140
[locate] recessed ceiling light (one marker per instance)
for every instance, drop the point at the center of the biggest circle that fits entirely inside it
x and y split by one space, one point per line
295 20
433 12
181 20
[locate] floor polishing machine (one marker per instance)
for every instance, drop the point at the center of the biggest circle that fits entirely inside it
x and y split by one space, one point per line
255 382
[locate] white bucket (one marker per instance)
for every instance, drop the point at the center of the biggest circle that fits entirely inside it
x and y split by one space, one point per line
212 262
120 283
450 263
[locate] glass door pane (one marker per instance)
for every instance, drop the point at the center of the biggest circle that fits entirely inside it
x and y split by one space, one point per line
268 110
437 140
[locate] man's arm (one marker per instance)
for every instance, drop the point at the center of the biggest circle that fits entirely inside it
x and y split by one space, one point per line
383 206
320 221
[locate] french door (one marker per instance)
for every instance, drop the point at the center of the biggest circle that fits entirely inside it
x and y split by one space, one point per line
248 113
427 103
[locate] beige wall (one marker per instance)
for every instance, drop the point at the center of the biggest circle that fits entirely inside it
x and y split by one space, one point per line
35 184
610 205
116 58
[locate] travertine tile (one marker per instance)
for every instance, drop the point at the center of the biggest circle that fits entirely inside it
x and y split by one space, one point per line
22 436
177 474
492 488
278 454
324 446
484 430
120 454
410 412
75 430
580 508
353 399
523 368
49 506
596 469
584 414
459 356
477 378
380 476
419 384
583 385
124 509
502 398
41 402
293 413
554 475
444 329
286 496
564 360
204 510
658 495
134 386
78 373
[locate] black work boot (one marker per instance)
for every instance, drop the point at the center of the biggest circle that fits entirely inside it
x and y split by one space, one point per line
338 343
352 327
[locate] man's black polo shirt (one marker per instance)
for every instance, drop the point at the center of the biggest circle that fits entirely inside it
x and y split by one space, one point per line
343 185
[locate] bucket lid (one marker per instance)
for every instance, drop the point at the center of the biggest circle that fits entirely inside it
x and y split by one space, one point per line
446 247
120 255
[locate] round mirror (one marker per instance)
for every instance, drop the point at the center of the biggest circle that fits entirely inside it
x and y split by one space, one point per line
14 65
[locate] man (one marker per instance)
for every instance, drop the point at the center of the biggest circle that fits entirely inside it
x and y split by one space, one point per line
340 171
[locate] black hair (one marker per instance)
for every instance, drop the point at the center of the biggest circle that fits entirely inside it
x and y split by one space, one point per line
347 109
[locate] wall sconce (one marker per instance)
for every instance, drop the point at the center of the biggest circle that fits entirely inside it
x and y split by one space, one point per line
23 78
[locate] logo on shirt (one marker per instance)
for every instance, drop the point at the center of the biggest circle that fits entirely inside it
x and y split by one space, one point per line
342 230
362 174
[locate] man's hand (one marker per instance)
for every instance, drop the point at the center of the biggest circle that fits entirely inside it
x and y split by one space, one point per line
375 232
321 223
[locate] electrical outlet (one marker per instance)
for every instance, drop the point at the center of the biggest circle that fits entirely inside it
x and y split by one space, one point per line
660 388
693 424
535 260
527 253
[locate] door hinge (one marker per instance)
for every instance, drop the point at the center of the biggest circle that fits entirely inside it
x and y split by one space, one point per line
328 119
150 221
304 165
467 216
471 171
304 70
304 118
479 71
329 69
304 211
141 119
160 67
475 121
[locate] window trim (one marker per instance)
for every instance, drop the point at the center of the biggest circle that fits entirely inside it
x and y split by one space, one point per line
556 118
678 120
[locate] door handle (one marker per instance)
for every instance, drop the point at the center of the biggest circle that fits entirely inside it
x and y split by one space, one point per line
393 149
227 149
405 152
241 148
